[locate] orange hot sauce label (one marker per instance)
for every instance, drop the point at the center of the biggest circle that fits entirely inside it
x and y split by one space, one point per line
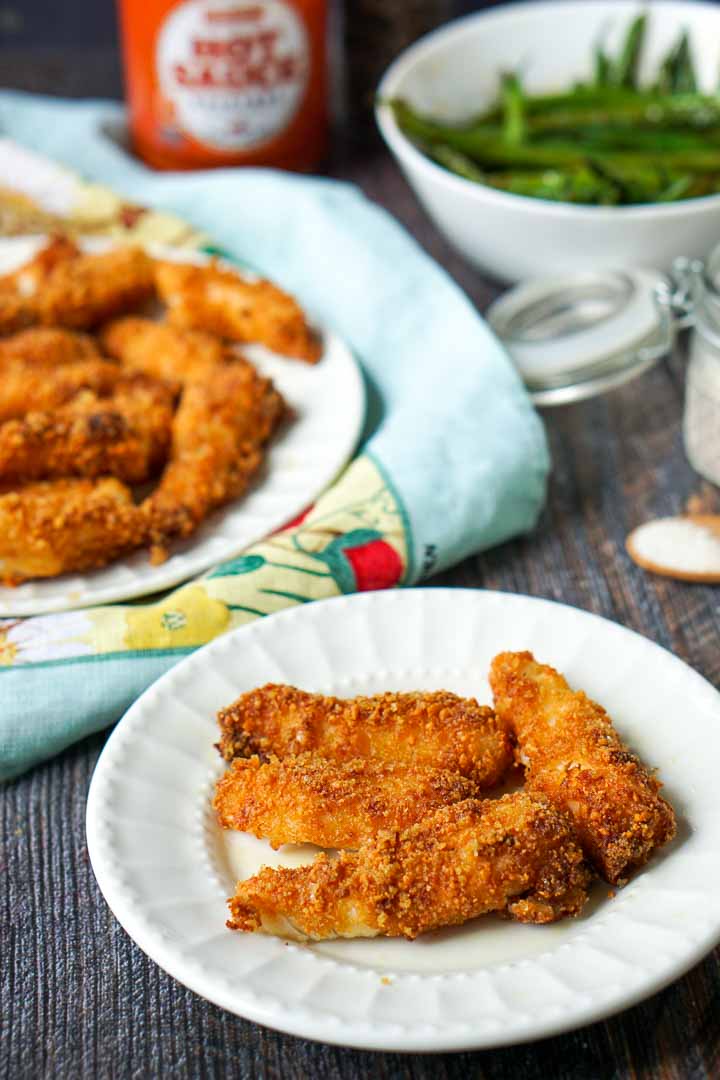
222 82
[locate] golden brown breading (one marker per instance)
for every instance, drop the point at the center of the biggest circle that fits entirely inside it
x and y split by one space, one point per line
15 313
219 430
27 280
125 435
438 729
47 347
162 350
54 527
220 301
86 290
27 383
19 288
516 855
574 756
335 804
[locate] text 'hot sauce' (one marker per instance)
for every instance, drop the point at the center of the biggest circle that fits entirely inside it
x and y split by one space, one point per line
222 82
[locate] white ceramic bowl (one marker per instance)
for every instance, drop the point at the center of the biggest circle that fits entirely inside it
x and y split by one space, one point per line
453 73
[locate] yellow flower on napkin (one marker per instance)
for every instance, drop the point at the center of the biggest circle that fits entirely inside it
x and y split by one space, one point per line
186 618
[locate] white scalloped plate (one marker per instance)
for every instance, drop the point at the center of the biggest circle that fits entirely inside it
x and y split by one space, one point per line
329 402
165 868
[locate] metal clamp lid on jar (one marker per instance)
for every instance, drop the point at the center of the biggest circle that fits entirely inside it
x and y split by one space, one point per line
578 335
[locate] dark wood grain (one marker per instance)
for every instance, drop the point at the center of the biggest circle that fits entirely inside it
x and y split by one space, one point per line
78 999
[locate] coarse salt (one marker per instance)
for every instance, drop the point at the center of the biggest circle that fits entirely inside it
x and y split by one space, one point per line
678 544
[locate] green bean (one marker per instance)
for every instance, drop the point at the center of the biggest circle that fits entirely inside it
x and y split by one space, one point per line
676 189
677 72
606 140
487 147
625 138
602 68
578 186
657 114
624 71
616 99
456 162
684 81
595 183
513 109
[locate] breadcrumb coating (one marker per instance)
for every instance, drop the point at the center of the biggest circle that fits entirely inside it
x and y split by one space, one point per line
335 804
54 527
15 313
84 291
162 350
126 435
27 280
69 411
62 286
24 382
47 347
437 729
515 855
574 756
219 432
219 301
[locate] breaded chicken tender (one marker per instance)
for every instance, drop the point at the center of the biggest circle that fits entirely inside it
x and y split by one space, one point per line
574 756
47 347
54 527
125 435
162 350
86 290
15 313
515 855
220 301
19 288
220 428
29 278
437 729
23 383
334 804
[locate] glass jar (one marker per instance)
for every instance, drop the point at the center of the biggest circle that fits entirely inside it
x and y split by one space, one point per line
701 421
576 336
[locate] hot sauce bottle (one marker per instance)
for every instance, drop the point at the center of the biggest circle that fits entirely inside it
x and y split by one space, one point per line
226 82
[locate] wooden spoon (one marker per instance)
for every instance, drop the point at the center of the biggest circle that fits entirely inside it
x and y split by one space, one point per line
686 548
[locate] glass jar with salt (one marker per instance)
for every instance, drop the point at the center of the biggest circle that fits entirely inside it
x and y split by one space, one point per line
575 336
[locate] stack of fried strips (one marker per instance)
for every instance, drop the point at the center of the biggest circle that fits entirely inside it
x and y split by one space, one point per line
395 784
120 431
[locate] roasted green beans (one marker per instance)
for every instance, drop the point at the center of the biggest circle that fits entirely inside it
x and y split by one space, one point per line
609 141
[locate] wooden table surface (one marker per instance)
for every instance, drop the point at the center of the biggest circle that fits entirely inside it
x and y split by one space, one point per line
78 999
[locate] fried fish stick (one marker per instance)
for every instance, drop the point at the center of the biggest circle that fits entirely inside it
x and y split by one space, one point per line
437 729
515 855
86 290
47 347
574 756
221 302
126 435
220 428
334 804
54 527
162 350
23 384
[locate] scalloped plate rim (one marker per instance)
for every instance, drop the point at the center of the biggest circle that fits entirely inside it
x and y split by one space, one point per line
47 596
325 1027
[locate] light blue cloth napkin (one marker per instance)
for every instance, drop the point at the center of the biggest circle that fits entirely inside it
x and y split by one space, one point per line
453 427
